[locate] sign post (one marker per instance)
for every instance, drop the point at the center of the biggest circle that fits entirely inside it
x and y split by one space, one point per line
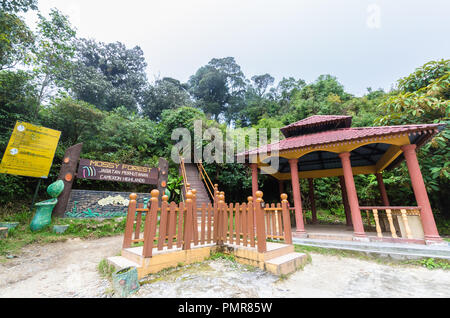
30 151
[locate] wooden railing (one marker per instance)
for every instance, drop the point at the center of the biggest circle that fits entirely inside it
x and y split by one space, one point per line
220 223
390 212
277 220
206 180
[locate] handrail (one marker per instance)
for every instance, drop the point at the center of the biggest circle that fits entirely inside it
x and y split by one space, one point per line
201 165
207 186
183 173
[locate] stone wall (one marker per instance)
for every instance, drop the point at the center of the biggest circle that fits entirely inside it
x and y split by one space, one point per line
100 204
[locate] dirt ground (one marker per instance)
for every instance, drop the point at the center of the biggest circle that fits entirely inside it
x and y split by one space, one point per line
69 269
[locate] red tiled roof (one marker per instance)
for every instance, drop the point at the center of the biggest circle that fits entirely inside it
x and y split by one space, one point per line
317 119
343 134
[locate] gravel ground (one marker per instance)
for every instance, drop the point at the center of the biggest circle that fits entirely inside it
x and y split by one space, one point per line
69 269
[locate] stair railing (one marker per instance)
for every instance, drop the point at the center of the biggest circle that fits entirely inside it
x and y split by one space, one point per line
185 180
206 180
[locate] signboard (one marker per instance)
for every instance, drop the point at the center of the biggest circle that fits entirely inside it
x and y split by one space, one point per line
30 151
108 171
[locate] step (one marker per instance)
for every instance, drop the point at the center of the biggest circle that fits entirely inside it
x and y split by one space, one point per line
286 264
120 262
274 250
395 250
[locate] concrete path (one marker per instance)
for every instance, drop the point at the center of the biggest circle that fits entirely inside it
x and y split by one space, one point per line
69 269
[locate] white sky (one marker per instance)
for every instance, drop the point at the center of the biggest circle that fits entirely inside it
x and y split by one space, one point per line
299 38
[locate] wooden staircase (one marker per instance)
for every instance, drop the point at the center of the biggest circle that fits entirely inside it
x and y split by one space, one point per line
195 181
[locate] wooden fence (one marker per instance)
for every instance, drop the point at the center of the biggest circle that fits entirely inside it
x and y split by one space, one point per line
171 226
389 212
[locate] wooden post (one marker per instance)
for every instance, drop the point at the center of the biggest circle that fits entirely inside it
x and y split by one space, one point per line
67 175
172 223
260 226
150 224
188 222
163 175
251 219
220 211
127 238
286 219
194 216
163 221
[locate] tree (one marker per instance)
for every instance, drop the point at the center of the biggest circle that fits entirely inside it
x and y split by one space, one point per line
53 52
108 75
17 101
261 83
218 86
73 118
423 97
16 38
167 93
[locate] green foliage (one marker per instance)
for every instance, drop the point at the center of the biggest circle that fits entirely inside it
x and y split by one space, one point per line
53 51
82 228
431 263
105 269
167 93
108 75
219 255
174 185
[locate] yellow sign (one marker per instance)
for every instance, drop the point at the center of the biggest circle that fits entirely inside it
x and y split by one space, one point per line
30 151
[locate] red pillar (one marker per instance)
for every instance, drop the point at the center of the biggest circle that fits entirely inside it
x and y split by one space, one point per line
254 167
382 188
312 200
420 192
358 227
281 186
348 218
300 227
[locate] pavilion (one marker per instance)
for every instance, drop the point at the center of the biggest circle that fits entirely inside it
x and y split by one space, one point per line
327 146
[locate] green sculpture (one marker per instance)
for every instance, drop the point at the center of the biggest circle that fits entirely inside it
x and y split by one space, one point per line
43 215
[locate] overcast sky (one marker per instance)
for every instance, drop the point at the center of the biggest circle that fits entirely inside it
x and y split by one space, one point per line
364 43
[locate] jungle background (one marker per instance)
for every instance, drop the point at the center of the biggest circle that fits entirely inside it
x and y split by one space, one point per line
98 94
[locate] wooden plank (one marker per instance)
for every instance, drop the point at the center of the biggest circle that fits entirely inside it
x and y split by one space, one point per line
238 223
188 225
180 233
272 220
150 227
203 224
231 227
251 219
244 226
130 221
279 220
163 224
216 221
172 221
194 221
210 211
137 230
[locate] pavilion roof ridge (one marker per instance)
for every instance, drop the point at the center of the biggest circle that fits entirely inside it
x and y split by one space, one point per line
335 135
